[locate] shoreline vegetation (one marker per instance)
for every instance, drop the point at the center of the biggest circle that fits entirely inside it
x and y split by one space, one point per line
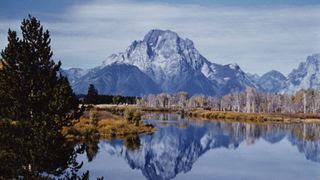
115 116
122 118
209 115
100 123
254 117
107 121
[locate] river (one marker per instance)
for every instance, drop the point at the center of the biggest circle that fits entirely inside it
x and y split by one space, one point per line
184 148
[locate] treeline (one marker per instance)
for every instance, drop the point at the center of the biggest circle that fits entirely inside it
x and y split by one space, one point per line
251 101
109 99
93 97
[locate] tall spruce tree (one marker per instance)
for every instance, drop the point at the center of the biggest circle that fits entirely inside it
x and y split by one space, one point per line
32 90
92 96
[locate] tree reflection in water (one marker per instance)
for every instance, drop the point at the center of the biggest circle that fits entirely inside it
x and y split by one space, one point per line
37 153
91 148
132 143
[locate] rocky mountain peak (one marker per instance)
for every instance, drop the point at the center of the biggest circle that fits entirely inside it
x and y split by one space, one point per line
306 76
174 64
155 35
313 62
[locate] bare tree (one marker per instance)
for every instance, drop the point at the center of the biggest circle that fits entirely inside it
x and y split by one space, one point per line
306 101
163 98
182 99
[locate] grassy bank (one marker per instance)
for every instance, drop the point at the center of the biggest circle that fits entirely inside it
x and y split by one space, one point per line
97 123
254 117
119 109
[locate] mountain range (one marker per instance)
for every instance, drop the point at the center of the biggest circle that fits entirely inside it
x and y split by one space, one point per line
164 62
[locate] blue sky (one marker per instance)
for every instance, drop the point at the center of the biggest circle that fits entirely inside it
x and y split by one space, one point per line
258 35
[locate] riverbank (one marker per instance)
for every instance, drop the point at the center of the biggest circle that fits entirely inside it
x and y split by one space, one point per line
101 124
254 117
203 114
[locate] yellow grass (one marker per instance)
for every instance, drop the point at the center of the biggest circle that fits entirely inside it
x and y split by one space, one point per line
104 125
254 117
121 128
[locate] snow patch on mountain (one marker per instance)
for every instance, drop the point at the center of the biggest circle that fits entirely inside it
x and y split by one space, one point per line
170 60
306 76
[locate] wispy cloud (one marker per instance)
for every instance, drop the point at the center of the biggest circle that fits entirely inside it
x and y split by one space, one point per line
257 38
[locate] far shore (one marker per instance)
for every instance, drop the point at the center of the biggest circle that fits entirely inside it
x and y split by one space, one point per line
205 114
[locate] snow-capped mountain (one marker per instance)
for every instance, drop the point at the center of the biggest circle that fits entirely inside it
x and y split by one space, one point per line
174 64
272 81
165 62
306 76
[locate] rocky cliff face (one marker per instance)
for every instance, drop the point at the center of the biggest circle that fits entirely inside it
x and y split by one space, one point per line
306 76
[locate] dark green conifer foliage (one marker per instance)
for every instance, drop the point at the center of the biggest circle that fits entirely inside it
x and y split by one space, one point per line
92 95
32 90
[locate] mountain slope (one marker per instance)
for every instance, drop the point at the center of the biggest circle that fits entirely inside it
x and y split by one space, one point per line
74 74
175 64
306 76
117 78
254 77
272 81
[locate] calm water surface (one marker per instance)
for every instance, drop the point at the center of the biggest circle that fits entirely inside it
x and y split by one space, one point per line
188 149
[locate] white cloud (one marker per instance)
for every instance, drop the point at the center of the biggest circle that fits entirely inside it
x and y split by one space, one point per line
257 38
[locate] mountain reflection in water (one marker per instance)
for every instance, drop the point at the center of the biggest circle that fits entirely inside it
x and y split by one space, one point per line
179 142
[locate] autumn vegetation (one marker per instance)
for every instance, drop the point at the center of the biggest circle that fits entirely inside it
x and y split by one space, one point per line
107 124
304 105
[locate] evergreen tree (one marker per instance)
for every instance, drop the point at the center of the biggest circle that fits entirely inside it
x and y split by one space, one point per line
32 90
92 95
116 99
